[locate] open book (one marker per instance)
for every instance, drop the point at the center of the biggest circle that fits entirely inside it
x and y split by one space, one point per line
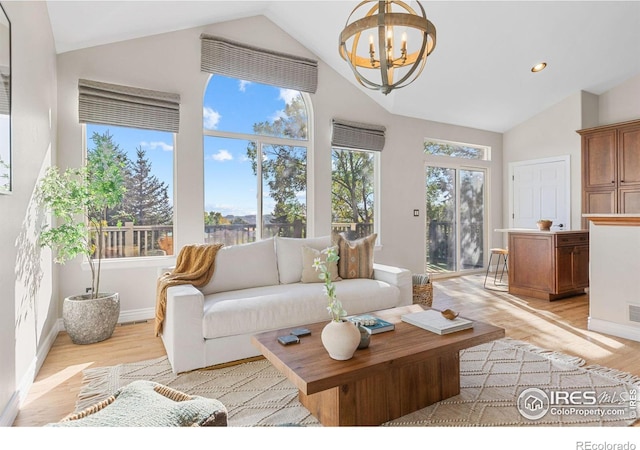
433 321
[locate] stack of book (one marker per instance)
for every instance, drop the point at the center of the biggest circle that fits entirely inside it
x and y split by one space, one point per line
433 321
372 324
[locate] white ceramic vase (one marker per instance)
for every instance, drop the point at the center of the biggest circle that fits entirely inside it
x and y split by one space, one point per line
340 339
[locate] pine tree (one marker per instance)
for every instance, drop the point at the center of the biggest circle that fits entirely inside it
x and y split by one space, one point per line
147 200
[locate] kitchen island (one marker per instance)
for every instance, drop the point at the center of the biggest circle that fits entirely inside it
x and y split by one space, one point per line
549 265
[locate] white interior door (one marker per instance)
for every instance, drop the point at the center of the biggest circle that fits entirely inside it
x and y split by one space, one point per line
539 189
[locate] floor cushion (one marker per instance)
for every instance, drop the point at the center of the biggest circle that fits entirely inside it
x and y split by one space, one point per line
145 403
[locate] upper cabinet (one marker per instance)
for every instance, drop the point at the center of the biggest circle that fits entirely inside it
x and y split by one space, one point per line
611 169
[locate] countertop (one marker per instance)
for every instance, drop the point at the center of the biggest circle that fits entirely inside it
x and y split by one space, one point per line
613 219
611 215
536 231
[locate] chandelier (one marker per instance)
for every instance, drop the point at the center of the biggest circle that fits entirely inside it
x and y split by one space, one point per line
383 64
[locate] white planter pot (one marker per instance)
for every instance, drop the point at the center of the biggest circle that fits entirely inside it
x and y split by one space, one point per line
88 320
340 339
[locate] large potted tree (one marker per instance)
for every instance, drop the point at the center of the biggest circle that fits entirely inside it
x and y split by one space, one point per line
79 199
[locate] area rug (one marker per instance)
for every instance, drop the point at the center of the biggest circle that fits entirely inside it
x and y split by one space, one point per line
503 383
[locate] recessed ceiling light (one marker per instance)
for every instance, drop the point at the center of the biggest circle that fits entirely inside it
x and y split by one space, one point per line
538 67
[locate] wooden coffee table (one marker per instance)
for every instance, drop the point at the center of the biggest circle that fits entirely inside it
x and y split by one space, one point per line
401 371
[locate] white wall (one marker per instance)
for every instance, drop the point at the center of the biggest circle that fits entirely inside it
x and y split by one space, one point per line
171 62
620 104
27 310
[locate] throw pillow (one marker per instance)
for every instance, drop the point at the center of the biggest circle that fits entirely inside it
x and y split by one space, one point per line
244 266
356 257
311 275
290 256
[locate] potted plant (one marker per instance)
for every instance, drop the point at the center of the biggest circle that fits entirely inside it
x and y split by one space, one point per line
340 337
79 199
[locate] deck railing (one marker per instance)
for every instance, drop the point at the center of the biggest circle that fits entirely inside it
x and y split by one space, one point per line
131 240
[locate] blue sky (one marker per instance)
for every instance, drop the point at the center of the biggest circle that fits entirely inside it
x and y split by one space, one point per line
229 105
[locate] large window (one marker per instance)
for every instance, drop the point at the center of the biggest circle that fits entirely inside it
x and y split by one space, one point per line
143 224
255 159
353 197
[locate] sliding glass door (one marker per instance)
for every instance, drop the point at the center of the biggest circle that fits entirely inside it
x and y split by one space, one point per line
455 206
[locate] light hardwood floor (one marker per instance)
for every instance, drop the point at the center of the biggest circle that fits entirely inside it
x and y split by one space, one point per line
560 325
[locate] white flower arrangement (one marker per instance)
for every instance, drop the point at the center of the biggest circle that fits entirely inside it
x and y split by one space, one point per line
335 306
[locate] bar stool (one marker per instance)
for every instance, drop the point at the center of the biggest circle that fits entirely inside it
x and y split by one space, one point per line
502 254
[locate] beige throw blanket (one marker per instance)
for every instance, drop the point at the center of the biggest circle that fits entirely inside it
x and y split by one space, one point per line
195 265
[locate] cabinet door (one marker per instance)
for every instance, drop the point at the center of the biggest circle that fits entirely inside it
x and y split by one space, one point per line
629 156
629 200
602 201
599 159
580 262
564 269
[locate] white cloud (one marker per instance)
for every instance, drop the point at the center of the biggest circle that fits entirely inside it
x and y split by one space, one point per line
222 156
280 114
242 85
210 118
288 95
157 144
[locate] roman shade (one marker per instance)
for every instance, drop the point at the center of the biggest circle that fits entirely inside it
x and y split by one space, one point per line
233 59
126 106
5 91
359 136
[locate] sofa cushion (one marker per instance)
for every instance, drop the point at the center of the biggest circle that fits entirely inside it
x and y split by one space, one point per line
289 251
356 257
311 275
244 266
274 307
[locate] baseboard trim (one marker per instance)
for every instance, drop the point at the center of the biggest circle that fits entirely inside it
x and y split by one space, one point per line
136 315
10 412
133 315
614 329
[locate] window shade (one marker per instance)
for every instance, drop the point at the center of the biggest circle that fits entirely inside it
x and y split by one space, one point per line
127 106
360 136
233 59
5 91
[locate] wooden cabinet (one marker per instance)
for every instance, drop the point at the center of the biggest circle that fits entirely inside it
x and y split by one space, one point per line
549 266
611 169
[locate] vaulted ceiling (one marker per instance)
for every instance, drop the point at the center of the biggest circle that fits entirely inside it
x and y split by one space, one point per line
478 76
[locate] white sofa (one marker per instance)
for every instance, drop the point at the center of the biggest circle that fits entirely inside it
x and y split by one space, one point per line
257 287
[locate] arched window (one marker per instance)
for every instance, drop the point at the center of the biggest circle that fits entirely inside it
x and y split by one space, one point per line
256 139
